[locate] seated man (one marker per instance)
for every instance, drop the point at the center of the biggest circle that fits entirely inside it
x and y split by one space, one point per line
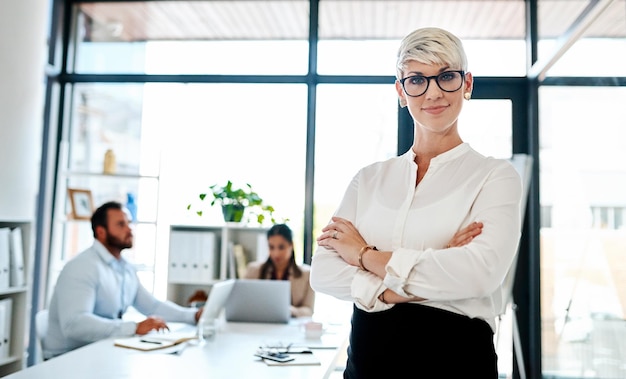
97 286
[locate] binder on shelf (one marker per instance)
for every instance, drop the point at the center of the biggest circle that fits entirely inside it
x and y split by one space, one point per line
179 245
232 270
207 255
241 261
5 281
262 250
191 257
174 258
6 306
17 269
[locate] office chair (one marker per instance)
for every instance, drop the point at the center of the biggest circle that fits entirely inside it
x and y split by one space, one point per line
41 329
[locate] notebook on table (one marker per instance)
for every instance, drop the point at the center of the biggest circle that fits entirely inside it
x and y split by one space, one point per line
154 341
258 300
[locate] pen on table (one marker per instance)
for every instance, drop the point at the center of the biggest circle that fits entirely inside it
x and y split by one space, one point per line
148 341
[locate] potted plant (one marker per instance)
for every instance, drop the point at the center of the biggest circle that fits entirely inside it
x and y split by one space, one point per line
234 202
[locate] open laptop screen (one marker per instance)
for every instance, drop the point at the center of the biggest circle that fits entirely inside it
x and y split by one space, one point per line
258 300
219 294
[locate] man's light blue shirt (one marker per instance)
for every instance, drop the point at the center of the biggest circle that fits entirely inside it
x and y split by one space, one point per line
92 292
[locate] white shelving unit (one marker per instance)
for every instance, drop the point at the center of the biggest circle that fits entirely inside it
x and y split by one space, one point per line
20 308
191 250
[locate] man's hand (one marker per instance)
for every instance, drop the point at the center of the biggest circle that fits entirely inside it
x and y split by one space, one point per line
151 323
199 314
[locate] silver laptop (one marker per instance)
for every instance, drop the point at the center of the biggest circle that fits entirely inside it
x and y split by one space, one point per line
257 300
218 296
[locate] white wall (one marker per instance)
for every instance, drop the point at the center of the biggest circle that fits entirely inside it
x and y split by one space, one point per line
23 49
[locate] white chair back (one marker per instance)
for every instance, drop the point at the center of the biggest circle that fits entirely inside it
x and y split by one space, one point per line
41 328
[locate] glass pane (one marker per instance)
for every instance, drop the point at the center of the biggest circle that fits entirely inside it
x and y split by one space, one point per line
487 126
603 27
511 57
212 133
379 57
109 117
111 151
199 135
556 16
149 37
355 125
194 57
361 37
583 270
374 57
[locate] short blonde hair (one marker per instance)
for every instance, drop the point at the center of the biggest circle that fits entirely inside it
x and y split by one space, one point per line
431 46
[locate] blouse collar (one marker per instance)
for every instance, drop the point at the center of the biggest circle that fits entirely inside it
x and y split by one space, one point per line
444 157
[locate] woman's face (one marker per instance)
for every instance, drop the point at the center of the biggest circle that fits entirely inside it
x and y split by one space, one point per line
436 111
280 250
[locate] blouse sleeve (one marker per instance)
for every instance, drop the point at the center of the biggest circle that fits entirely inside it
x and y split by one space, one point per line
331 275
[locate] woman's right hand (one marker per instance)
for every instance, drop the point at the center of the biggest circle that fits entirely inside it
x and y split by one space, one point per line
466 235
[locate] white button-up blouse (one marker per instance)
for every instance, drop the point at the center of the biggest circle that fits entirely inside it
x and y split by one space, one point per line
415 223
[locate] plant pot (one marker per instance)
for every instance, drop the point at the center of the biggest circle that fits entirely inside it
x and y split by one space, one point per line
233 212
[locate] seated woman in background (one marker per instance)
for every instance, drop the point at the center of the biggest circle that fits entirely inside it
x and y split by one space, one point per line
281 265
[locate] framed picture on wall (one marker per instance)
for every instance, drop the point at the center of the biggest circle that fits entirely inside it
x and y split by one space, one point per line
82 203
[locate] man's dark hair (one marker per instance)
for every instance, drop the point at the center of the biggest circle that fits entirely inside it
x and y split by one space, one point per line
99 217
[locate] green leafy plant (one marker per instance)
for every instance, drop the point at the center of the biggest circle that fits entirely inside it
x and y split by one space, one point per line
234 201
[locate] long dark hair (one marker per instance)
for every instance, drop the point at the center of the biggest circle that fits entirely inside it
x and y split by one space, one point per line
285 231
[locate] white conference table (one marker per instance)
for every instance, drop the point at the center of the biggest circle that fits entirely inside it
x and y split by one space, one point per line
229 355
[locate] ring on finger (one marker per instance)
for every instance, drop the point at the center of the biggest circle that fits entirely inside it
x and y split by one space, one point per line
335 234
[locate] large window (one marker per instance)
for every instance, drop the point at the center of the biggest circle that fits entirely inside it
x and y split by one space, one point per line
295 96
576 37
582 179
583 240
247 133
356 125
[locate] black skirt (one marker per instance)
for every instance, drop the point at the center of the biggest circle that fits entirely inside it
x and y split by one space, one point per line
418 341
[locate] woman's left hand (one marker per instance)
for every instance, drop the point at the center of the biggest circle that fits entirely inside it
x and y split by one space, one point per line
343 237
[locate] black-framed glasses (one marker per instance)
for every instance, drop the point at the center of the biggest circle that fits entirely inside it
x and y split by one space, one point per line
448 81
